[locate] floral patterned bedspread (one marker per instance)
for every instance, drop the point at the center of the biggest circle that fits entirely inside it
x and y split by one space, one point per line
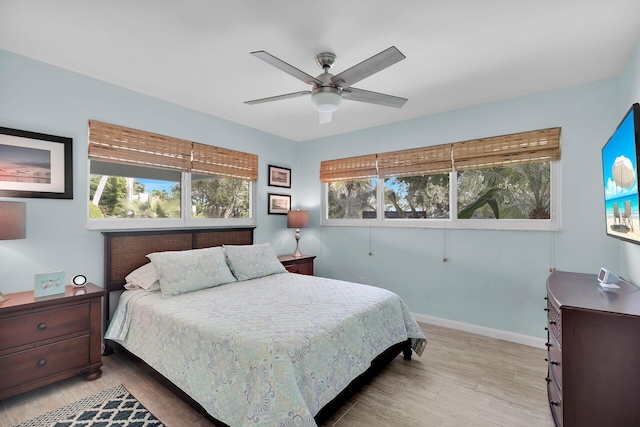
264 352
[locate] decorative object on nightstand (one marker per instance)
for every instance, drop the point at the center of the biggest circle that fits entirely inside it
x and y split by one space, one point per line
46 340
78 280
13 220
297 219
51 283
300 265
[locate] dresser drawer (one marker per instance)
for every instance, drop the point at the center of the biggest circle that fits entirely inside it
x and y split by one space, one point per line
554 320
42 325
40 362
555 362
555 403
302 268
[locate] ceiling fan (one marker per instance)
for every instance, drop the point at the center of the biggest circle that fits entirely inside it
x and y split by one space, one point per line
329 90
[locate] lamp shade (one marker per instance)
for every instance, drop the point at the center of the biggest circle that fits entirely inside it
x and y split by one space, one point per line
13 220
297 219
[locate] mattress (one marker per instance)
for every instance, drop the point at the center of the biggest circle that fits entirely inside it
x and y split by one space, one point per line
270 351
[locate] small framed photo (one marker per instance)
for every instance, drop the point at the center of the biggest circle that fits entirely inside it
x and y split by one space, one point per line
35 165
279 177
279 204
51 283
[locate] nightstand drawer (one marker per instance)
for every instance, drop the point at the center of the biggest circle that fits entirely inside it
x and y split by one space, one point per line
301 265
42 325
305 268
40 362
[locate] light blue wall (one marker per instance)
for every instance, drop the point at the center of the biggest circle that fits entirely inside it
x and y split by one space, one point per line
494 279
630 94
41 98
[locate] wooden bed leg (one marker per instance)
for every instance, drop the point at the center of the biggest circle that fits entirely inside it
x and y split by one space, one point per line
406 350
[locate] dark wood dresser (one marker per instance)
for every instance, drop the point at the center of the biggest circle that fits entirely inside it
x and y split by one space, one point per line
593 352
301 265
48 339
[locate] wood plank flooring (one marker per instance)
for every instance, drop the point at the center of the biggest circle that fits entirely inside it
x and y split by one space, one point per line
461 379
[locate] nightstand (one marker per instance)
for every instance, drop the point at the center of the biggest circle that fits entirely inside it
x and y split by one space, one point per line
44 340
301 265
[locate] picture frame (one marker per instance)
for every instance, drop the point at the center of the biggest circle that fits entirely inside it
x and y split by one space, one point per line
35 165
51 283
279 177
279 204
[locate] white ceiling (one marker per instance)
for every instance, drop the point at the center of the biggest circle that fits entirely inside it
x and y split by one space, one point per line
196 52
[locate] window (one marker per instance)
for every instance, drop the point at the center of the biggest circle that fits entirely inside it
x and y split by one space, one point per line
472 184
140 179
424 196
352 199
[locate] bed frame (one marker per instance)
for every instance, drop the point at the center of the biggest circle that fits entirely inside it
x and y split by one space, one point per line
126 251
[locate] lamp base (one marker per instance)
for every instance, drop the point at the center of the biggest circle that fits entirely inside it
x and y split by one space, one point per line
297 253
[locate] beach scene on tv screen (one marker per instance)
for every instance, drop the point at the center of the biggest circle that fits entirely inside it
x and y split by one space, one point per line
619 163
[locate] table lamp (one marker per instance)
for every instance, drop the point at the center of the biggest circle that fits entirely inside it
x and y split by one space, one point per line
297 219
13 220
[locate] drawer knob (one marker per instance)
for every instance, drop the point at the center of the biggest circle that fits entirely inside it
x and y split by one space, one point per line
548 344
554 403
546 309
42 326
42 362
552 322
548 379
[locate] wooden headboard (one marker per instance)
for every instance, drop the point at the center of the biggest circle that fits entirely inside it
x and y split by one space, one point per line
124 251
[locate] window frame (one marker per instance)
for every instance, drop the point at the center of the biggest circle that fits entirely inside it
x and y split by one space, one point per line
186 220
552 224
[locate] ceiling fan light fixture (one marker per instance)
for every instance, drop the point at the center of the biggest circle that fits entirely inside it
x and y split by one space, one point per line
326 99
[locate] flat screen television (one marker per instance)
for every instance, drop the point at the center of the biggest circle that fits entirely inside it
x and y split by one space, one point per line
620 158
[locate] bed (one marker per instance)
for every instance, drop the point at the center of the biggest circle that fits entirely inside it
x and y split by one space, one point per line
263 347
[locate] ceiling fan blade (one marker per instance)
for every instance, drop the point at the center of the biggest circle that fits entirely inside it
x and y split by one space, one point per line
289 69
324 117
362 95
279 97
368 67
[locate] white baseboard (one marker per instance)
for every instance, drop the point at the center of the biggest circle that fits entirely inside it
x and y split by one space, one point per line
481 330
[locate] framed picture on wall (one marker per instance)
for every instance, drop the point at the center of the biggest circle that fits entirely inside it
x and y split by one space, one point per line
279 177
279 204
35 165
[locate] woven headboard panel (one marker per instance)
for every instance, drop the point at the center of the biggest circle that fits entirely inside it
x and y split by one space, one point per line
126 251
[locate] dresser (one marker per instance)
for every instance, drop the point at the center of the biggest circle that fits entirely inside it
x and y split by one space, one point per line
43 340
301 265
593 352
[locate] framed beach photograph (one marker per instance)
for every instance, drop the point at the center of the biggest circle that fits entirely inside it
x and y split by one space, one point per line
279 177
279 204
35 165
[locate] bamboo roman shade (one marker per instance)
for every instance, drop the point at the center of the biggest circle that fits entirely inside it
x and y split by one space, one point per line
350 168
418 161
117 144
526 147
210 160
535 146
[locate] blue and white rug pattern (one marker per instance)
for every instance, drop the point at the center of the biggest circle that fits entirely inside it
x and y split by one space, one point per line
115 407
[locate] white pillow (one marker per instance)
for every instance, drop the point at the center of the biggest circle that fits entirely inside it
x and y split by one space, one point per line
187 271
144 277
253 261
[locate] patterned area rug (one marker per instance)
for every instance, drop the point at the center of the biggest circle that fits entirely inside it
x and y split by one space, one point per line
115 407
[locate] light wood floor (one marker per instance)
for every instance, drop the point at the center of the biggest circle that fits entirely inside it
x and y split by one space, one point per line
461 379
